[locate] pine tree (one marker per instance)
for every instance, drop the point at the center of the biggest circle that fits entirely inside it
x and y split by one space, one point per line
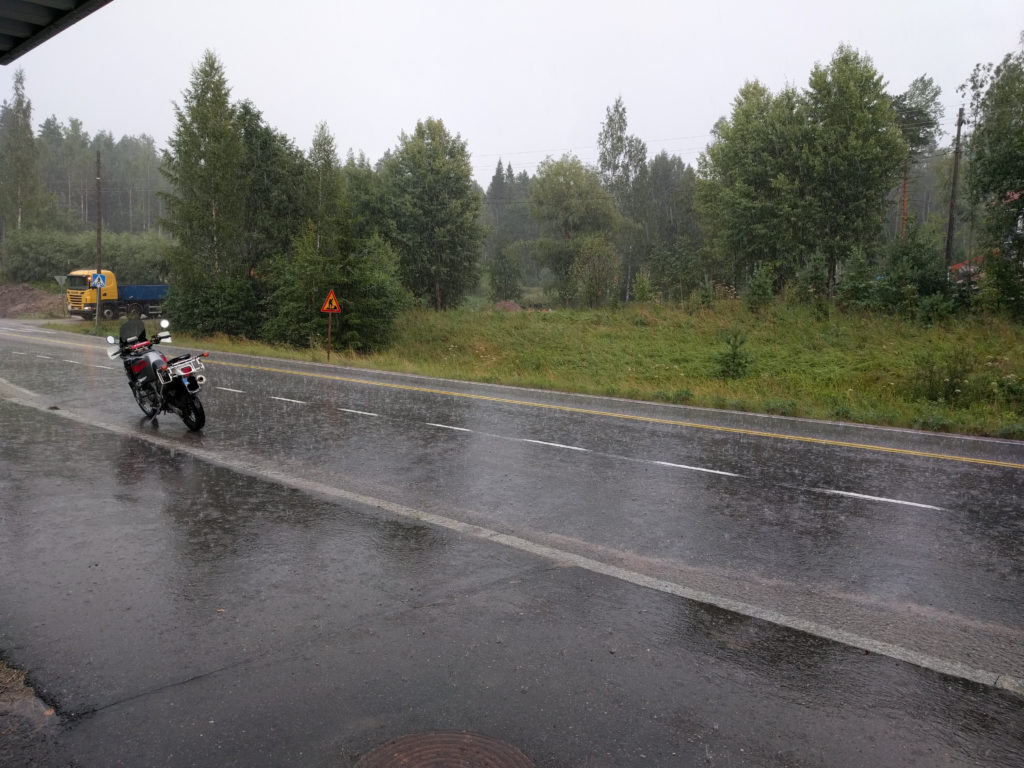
325 173
211 288
204 167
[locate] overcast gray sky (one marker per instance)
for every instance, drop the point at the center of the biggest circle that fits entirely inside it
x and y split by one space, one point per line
518 80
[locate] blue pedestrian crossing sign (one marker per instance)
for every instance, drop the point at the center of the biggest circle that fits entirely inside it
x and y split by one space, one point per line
99 280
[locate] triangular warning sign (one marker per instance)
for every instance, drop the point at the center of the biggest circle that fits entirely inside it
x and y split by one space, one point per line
331 303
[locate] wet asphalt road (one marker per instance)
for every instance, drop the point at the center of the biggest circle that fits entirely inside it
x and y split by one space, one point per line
344 557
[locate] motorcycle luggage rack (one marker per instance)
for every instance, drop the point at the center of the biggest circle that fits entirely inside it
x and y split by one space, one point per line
168 372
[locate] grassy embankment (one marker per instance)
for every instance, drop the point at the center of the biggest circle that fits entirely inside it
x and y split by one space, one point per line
963 376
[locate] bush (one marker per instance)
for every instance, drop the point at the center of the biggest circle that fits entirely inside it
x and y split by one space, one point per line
811 284
703 296
943 379
915 272
734 361
220 305
1009 390
857 283
595 271
505 273
365 283
761 288
643 289
934 308
1002 288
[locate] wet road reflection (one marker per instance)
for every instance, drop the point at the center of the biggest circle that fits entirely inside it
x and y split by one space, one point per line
180 608
920 536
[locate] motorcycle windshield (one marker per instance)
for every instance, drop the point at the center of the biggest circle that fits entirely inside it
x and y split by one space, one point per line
133 328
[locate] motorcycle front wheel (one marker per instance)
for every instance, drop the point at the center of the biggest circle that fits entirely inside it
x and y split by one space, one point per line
147 400
192 413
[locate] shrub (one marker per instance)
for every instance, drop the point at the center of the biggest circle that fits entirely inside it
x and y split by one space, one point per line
1009 390
220 305
365 283
934 307
505 274
595 271
856 286
643 290
914 272
761 288
943 379
811 285
734 361
1002 287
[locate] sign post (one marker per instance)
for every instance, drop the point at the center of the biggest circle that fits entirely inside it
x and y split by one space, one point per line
332 308
99 243
99 282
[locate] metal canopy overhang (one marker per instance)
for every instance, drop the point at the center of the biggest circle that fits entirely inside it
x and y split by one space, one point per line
24 24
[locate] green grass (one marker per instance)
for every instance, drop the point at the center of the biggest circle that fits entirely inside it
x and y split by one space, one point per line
860 368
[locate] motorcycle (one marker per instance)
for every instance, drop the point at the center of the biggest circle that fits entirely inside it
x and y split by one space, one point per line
160 385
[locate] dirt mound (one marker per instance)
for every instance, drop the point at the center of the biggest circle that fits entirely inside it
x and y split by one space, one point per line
26 301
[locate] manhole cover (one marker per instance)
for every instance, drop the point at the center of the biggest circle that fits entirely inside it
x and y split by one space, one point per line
445 749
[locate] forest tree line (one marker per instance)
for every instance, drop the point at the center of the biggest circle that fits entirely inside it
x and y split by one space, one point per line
835 192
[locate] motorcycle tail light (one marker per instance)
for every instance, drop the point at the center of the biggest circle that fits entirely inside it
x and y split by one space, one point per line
186 370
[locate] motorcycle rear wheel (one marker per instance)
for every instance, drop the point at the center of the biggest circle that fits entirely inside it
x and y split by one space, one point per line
147 400
192 413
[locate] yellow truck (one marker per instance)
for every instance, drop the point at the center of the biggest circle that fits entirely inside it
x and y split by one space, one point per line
114 300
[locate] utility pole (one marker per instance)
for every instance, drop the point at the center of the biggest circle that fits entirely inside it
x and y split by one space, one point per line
906 198
952 192
99 240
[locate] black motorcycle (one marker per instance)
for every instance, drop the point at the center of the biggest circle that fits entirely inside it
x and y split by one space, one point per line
158 384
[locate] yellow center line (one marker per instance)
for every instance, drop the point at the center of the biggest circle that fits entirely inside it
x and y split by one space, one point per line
633 417
592 412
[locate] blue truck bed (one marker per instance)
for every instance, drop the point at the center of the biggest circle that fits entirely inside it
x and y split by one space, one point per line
127 293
